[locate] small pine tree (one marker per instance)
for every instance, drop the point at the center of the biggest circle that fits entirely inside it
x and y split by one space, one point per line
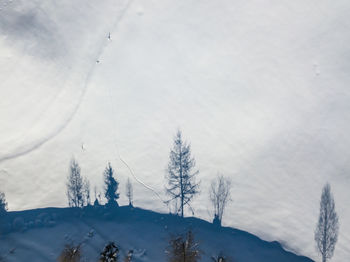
109 253
183 248
3 203
111 186
75 185
70 253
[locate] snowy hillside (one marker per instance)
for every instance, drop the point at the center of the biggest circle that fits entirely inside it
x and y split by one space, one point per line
259 88
145 232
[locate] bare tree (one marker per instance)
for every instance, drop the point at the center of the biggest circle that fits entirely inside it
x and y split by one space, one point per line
326 233
220 192
183 248
75 185
181 180
129 192
86 191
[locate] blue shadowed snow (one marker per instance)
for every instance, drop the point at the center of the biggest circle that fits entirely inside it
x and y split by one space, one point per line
40 234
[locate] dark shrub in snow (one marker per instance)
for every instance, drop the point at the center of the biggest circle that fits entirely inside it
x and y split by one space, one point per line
109 253
70 253
221 258
183 248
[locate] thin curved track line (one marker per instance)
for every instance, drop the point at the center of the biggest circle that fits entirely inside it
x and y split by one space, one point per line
58 130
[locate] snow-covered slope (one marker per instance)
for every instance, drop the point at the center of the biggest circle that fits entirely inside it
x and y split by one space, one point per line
145 232
259 88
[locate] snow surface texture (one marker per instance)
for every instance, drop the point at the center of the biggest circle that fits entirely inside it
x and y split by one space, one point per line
42 234
259 88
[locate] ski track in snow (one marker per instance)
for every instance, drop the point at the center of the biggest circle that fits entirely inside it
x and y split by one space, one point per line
121 158
115 129
30 148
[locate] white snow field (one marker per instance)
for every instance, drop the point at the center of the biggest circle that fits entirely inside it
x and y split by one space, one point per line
259 88
41 234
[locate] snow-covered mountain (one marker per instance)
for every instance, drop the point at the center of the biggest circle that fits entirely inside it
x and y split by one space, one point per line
259 88
41 234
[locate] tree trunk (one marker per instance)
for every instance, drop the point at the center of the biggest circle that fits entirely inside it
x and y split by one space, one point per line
184 252
181 184
324 244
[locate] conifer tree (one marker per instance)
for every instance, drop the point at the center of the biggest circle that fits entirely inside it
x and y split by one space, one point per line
182 185
111 186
